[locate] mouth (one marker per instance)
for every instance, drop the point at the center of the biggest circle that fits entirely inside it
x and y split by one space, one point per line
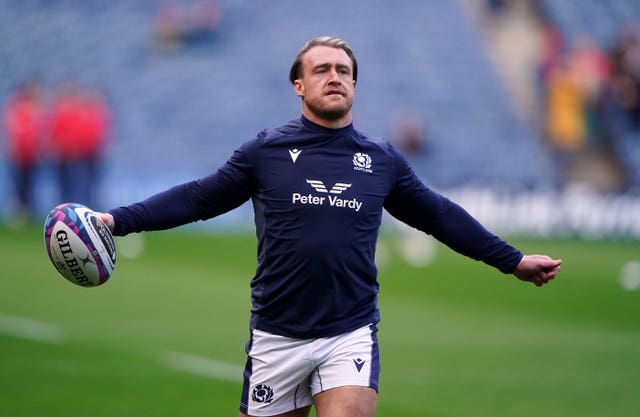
334 93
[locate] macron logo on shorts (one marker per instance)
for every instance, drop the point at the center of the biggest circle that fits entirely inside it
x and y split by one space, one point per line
359 363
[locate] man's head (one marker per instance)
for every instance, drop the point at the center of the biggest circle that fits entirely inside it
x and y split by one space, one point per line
296 67
324 76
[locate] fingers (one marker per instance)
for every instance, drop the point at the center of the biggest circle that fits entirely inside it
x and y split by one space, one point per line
553 264
107 219
543 277
539 280
538 269
546 262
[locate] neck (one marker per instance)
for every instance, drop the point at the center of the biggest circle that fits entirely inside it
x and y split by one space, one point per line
344 121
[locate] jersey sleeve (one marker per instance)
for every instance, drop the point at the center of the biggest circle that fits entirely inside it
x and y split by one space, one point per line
229 187
413 203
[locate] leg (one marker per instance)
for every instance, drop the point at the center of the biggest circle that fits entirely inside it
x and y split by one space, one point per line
64 178
300 412
346 382
348 401
24 181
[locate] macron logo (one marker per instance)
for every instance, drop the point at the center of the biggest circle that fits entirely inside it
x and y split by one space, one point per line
319 186
295 153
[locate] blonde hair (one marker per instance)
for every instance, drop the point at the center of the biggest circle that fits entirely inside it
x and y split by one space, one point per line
294 72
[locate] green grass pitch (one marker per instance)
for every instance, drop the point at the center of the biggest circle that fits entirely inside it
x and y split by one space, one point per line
165 336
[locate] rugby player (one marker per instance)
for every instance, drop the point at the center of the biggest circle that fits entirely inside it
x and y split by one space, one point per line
318 187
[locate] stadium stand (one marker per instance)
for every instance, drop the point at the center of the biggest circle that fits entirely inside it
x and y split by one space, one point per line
603 21
179 114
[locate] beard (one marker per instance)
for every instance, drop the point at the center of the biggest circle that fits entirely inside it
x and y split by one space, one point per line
329 113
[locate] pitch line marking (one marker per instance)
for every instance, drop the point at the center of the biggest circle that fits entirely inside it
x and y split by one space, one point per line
25 328
202 366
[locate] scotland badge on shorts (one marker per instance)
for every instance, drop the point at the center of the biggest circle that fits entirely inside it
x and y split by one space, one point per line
262 394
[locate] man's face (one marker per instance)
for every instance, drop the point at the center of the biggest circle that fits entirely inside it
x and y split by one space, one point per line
326 85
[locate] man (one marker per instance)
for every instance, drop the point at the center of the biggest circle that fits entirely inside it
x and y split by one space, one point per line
80 127
318 187
23 121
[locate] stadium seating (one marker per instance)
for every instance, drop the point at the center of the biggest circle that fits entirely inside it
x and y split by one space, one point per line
601 20
180 113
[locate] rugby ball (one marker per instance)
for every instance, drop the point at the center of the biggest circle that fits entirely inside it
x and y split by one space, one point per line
79 244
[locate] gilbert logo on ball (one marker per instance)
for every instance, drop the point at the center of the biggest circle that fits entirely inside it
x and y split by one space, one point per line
79 244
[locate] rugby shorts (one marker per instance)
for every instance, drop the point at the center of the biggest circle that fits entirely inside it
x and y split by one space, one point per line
283 374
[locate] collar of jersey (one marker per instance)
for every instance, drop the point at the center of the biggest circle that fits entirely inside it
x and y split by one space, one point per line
325 130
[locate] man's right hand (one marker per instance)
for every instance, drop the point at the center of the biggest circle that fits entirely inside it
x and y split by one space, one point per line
108 220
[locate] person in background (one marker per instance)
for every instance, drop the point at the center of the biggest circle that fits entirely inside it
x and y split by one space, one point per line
178 26
565 119
80 126
24 123
94 135
625 58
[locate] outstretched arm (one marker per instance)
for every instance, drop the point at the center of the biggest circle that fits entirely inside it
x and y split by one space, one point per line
538 269
229 187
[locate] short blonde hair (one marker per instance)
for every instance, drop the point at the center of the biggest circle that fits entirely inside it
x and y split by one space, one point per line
294 72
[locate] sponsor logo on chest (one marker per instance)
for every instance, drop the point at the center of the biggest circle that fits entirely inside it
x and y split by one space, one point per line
329 197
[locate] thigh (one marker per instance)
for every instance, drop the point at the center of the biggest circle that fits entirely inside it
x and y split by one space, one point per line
351 359
347 401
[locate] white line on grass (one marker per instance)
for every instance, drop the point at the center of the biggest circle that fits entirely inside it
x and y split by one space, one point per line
203 366
30 329
38 331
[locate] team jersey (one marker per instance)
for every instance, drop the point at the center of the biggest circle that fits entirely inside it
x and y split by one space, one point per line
318 196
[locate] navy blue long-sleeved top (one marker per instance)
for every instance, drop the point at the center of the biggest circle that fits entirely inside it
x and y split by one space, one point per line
318 196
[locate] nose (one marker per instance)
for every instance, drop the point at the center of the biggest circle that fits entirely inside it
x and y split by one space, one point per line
334 77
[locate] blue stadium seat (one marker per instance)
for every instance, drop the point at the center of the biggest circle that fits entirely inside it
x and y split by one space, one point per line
183 112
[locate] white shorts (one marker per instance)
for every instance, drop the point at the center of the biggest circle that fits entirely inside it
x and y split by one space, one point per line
283 374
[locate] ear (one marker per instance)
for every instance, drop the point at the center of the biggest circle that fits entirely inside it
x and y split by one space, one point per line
299 87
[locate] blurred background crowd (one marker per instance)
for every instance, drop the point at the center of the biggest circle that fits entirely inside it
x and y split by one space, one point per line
67 129
495 102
